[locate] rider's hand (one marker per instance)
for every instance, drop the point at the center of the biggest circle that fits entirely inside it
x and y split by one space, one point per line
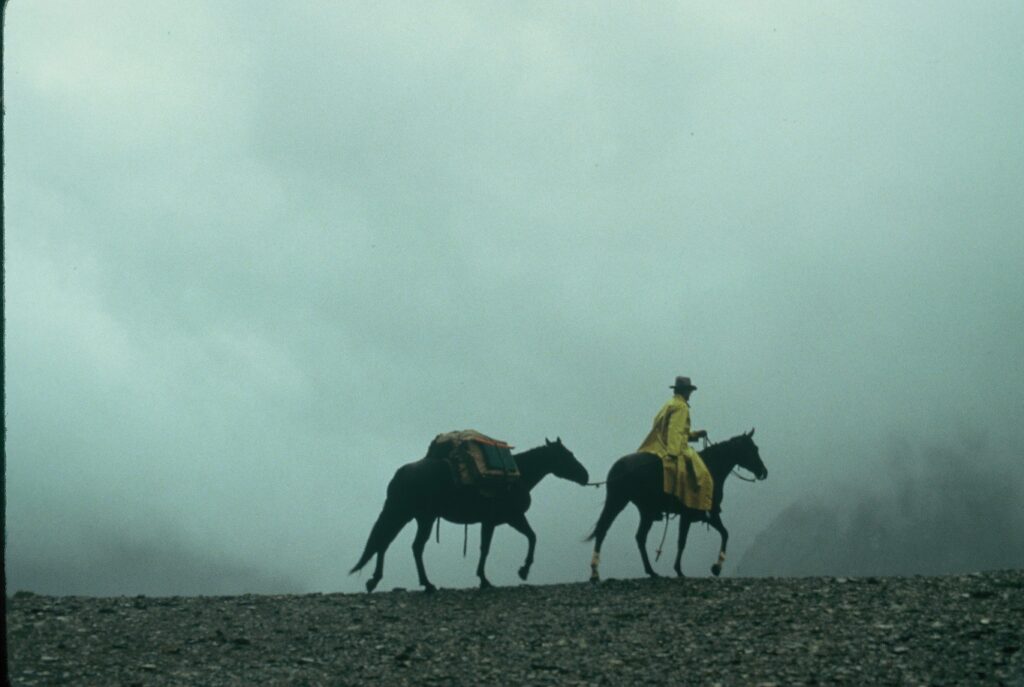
700 434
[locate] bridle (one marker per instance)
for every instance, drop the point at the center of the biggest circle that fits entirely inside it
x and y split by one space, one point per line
739 476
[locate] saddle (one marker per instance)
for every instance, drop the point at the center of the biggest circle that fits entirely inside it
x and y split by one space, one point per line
476 459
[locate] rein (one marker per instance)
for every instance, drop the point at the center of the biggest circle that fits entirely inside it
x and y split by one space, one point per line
707 444
598 484
739 476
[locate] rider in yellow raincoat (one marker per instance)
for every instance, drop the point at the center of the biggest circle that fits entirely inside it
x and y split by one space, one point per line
686 476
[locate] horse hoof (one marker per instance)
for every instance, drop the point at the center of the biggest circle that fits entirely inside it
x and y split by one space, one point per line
429 588
524 572
716 570
371 584
485 584
595 579
653 575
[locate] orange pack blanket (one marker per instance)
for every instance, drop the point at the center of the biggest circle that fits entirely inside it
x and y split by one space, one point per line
477 458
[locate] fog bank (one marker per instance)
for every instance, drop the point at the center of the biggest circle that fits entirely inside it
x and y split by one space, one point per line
943 509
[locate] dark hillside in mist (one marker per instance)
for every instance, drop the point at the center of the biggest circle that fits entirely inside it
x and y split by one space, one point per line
937 512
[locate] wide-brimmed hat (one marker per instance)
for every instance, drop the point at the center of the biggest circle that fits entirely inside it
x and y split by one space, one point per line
683 383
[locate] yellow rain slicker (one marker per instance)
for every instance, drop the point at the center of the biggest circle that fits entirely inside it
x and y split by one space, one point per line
668 439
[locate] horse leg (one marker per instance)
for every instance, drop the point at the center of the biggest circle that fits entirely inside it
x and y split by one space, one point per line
684 529
613 505
486 533
422 535
716 522
646 520
520 524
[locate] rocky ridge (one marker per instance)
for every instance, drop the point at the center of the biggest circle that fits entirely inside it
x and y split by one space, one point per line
954 630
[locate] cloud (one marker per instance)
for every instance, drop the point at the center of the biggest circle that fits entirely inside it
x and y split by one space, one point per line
258 258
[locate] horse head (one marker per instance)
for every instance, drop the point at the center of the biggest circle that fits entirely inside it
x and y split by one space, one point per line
563 463
749 458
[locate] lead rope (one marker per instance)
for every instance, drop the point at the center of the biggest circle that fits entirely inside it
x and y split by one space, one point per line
657 554
669 516
465 539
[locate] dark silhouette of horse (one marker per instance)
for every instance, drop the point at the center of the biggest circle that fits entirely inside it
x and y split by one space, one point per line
426 490
637 478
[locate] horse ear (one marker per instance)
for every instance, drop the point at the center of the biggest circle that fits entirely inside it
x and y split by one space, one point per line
558 440
751 432
547 442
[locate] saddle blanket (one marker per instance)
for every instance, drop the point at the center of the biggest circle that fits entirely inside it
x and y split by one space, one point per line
677 482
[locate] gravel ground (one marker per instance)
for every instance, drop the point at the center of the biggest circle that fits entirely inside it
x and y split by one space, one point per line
956 630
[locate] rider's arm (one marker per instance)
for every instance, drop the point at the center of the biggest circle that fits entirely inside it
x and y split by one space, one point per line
678 433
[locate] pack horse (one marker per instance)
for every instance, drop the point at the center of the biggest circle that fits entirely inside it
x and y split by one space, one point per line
466 478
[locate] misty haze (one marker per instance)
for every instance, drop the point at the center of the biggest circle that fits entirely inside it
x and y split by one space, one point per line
256 259
942 510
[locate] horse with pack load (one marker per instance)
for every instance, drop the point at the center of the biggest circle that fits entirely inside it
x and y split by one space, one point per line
466 477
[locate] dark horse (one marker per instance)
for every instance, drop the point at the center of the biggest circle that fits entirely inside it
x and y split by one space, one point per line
638 478
426 490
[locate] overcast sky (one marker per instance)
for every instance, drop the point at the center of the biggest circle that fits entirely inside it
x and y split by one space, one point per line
257 256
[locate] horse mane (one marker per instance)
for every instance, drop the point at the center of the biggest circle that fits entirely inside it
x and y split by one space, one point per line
714 452
529 452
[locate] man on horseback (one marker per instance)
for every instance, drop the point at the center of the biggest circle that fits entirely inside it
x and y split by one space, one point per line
685 474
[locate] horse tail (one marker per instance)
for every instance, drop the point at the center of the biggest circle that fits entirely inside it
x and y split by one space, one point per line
614 502
611 510
593 530
370 547
388 525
